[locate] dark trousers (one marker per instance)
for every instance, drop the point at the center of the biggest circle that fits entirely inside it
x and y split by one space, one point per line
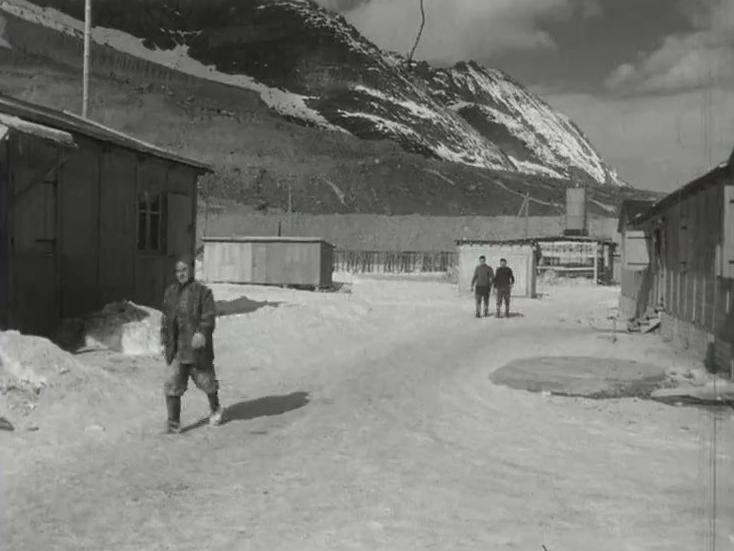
481 294
176 384
503 295
178 376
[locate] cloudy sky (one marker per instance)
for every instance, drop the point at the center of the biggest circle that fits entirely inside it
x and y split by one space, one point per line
651 82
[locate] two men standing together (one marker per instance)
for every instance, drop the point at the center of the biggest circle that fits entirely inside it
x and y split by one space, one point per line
482 282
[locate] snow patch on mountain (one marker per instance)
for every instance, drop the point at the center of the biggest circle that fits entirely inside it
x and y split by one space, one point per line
549 135
281 101
534 168
381 123
318 69
411 106
3 38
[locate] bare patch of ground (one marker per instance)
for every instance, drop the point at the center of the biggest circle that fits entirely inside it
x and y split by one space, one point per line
588 377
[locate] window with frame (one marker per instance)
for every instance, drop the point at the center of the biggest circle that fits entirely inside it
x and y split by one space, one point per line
150 223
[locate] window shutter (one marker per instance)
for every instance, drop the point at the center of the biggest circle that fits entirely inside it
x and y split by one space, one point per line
727 249
635 252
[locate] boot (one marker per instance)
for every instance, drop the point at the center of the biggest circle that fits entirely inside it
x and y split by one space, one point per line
173 405
217 412
499 314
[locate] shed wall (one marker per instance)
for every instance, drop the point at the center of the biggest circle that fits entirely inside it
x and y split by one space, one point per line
4 238
74 230
79 229
117 226
33 231
327 264
154 269
271 262
684 276
520 258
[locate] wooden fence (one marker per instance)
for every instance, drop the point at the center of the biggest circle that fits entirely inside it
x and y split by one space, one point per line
393 262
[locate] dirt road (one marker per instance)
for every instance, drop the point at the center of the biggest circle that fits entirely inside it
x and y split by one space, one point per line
372 424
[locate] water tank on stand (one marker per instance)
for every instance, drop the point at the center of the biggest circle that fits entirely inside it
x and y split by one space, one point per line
575 211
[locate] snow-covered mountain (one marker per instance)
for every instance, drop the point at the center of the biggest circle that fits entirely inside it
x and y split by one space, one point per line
309 65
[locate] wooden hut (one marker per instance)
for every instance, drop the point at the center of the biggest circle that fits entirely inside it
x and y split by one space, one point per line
689 267
297 261
521 257
88 216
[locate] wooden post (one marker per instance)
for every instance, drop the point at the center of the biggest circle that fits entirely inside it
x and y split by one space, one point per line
290 208
87 33
596 263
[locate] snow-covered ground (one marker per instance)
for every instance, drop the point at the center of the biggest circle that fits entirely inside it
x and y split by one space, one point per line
366 420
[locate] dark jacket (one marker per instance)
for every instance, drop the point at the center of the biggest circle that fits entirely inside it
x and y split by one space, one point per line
483 276
200 317
504 277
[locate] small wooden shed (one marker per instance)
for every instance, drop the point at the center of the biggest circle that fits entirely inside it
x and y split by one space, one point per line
521 257
303 261
88 216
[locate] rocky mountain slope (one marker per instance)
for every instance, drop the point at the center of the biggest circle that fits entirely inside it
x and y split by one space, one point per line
309 65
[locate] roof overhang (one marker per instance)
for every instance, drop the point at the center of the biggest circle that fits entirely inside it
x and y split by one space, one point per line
529 241
64 127
711 178
9 122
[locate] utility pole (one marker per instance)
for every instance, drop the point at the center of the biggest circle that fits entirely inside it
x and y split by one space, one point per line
87 33
525 208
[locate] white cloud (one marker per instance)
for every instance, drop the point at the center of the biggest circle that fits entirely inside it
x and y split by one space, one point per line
656 142
457 29
703 57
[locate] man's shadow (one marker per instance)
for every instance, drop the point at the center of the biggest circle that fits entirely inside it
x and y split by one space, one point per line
503 316
262 407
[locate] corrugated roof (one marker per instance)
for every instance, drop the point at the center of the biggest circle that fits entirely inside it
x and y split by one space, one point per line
74 124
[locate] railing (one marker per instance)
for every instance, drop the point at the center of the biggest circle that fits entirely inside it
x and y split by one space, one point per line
394 262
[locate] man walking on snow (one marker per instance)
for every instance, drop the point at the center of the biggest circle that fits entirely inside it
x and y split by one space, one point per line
187 331
482 285
504 279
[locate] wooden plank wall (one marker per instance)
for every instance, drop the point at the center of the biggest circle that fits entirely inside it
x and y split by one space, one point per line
118 226
4 238
79 229
276 263
692 291
155 270
75 235
34 304
327 264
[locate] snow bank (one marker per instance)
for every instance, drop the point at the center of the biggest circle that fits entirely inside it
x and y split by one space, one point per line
29 364
124 327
